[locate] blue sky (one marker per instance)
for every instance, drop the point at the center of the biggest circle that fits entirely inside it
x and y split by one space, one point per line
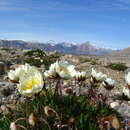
106 23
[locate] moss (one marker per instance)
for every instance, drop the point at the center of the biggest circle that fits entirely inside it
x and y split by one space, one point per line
84 59
39 57
117 66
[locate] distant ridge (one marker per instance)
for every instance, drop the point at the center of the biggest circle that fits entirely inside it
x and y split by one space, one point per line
63 47
122 53
126 51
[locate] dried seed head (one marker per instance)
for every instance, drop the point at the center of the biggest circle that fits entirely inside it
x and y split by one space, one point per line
49 111
13 126
116 123
109 122
69 91
71 120
32 119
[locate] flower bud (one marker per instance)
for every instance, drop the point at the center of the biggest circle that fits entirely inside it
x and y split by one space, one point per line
80 76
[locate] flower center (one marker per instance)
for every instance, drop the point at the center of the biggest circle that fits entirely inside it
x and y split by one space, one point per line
32 83
64 70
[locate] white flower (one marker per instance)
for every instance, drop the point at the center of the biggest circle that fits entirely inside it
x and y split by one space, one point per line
114 105
29 78
60 69
65 70
126 92
14 75
109 83
51 73
98 76
13 126
127 78
30 83
80 76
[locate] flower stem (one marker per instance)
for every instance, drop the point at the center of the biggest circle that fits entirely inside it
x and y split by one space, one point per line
20 119
22 127
58 89
46 123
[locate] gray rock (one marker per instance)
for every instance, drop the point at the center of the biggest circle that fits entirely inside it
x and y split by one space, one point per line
3 107
6 88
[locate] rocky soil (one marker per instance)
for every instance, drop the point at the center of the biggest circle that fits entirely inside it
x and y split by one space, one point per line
9 95
86 63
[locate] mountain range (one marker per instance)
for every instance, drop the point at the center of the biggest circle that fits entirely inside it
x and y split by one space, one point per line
63 47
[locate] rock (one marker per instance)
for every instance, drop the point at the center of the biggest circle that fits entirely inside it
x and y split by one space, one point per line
3 107
6 92
4 99
12 97
127 70
124 110
6 89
